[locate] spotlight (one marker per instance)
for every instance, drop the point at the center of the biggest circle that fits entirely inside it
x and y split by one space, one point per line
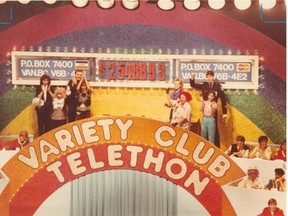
24 1
130 4
192 4
242 4
267 4
106 3
166 4
80 3
50 1
216 4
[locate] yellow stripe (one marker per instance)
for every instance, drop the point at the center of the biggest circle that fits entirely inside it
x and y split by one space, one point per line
147 102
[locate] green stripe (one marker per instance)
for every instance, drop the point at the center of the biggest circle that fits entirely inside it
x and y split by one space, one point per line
13 102
261 113
253 106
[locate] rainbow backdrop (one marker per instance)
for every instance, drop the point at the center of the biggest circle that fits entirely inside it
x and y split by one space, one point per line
148 27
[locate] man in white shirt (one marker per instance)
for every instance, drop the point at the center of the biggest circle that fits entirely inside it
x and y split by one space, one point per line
252 180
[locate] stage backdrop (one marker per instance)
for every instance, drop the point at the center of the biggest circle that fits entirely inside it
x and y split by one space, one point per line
148 30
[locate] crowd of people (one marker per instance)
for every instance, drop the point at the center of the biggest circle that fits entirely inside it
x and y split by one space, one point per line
262 150
56 108
181 113
211 91
254 181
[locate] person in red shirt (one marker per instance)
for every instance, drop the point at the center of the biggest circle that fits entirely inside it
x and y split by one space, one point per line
18 143
281 153
272 209
2 144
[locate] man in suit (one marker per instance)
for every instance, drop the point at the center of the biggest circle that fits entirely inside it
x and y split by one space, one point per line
72 100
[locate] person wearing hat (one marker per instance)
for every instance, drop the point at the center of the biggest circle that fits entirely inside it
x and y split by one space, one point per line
279 182
252 180
182 110
206 87
209 110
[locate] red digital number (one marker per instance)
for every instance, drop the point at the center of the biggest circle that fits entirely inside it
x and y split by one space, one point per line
162 71
121 70
102 69
143 71
135 71
112 71
128 71
152 71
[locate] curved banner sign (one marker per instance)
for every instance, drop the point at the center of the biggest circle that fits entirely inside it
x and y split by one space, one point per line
133 143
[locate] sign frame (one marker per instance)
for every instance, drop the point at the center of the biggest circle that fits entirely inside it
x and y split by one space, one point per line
253 59
174 61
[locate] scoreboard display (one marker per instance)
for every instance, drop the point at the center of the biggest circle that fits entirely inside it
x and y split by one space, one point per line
134 70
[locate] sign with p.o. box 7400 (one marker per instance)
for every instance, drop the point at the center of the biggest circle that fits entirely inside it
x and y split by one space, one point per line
228 70
28 67
55 68
135 70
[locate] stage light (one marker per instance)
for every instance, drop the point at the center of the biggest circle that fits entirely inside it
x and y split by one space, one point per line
216 4
267 4
50 1
130 4
80 3
166 4
192 4
106 3
242 4
24 1
3 1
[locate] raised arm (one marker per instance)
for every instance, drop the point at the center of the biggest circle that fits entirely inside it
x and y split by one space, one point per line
193 84
51 93
222 97
79 85
168 98
87 84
